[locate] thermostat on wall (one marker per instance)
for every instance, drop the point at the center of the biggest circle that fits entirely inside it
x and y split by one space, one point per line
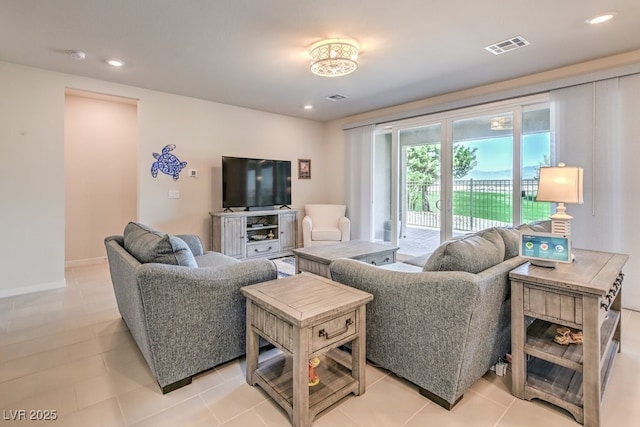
193 172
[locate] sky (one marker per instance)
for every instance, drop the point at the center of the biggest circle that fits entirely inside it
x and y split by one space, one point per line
495 154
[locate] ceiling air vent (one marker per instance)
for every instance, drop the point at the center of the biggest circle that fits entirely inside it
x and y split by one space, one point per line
336 97
507 45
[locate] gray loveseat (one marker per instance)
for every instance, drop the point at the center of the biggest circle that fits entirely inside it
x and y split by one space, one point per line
441 327
182 305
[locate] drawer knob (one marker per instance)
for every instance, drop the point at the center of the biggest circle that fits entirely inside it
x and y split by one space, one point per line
333 334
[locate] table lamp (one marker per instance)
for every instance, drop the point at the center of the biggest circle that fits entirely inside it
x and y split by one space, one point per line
560 184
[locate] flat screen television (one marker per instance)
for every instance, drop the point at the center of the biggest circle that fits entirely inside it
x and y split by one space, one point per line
255 183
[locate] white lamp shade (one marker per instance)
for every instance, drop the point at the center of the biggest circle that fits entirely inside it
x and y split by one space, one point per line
561 184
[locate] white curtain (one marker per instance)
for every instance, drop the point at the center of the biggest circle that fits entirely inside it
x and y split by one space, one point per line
597 127
359 176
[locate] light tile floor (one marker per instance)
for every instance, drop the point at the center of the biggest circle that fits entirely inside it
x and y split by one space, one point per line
68 350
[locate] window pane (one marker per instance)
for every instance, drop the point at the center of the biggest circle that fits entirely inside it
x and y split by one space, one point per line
482 172
536 152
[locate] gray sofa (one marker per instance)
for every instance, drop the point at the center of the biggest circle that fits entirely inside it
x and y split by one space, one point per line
182 305
443 326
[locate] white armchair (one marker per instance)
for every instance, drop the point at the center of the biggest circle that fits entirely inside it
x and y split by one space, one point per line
324 224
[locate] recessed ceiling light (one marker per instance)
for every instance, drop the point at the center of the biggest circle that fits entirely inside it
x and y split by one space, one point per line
308 107
600 18
115 62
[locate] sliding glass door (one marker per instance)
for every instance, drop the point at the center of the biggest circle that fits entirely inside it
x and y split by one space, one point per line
459 172
421 201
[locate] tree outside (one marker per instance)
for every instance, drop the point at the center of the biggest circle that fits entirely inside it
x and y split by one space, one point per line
423 168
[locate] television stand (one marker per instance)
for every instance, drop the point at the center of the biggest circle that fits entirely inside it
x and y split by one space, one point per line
246 234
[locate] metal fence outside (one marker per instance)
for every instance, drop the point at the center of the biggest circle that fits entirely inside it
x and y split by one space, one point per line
477 204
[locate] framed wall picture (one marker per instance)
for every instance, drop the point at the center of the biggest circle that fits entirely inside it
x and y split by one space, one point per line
304 169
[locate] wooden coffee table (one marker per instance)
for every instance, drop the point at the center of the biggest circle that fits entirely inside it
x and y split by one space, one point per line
316 259
306 316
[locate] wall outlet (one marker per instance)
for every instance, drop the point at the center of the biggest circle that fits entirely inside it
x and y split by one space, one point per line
174 194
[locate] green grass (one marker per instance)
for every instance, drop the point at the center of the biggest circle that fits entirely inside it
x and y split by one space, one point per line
493 206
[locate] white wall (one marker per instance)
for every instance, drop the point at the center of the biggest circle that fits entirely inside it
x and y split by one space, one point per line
334 137
32 184
203 133
32 138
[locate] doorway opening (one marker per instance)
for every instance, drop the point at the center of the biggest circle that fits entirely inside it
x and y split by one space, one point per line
100 154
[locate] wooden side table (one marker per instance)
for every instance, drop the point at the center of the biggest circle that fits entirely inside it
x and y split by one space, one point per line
307 316
585 295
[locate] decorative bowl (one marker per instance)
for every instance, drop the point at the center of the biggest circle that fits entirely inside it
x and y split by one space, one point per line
259 237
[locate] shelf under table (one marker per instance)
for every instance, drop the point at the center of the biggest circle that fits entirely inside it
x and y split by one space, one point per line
540 344
275 376
563 386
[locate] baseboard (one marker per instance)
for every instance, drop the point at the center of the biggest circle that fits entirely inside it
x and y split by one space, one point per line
31 289
85 262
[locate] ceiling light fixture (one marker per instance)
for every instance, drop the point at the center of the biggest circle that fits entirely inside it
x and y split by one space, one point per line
308 107
334 57
115 62
600 18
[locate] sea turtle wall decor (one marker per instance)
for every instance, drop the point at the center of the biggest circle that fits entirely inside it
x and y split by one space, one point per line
167 163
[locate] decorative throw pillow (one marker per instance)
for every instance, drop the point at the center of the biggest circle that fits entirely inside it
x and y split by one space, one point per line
511 238
148 245
472 253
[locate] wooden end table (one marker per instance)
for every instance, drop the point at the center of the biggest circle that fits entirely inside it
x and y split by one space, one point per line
316 259
584 295
307 316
